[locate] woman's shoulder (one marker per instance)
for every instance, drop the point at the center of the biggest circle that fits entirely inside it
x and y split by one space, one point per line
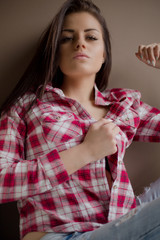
121 93
22 105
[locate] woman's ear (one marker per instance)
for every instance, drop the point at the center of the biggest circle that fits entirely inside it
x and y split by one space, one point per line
104 58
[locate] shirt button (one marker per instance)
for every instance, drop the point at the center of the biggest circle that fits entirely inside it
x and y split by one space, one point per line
115 187
58 117
127 119
120 162
73 108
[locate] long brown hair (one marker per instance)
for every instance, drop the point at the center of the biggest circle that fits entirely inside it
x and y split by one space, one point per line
44 66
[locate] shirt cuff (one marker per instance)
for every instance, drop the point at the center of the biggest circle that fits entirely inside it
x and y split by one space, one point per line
54 168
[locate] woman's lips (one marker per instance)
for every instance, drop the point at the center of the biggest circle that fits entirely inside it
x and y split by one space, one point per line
81 56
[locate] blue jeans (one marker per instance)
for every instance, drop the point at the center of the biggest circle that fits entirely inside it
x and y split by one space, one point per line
141 223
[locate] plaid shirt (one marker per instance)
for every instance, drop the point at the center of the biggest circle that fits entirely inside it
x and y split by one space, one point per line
33 173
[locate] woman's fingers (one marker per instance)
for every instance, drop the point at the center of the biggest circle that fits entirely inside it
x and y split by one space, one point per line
108 125
157 52
102 122
101 138
149 54
151 58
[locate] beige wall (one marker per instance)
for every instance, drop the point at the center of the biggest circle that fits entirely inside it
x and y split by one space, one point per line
130 22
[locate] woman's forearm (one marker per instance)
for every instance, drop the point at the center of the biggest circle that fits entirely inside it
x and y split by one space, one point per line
76 158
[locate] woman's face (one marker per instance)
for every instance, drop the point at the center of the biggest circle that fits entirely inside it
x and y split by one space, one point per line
82 50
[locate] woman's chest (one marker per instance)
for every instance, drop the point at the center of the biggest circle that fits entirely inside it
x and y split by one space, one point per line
57 126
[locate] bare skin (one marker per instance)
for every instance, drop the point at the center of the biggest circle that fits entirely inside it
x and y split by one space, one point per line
79 77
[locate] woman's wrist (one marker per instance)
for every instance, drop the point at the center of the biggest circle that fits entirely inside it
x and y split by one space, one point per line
76 157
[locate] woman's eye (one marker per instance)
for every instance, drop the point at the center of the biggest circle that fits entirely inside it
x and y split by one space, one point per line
92 38
66 39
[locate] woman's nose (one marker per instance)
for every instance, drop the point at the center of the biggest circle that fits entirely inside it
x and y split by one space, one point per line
80 44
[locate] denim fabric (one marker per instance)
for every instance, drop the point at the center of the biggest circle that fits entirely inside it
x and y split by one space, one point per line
141 223
72 236
150 193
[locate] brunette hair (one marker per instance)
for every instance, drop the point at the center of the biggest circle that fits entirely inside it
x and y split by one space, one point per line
44 68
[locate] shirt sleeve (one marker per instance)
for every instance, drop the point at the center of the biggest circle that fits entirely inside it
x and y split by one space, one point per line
19 177
149 126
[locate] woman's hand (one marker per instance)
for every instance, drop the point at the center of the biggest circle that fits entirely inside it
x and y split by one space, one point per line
101 139
149 54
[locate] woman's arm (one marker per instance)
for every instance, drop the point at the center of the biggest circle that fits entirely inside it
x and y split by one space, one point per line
21 178
149 128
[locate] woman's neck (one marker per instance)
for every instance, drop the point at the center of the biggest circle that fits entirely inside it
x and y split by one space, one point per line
82 91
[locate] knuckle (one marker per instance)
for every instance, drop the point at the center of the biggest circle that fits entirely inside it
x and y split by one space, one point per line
109 132
117 128
149 50
106 127
112 141
92 128
141 46
93 125
155 47
114 149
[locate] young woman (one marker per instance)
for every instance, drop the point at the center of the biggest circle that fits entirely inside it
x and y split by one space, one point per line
63 136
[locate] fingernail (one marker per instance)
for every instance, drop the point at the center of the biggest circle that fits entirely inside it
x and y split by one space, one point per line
148 61
156 58
153 63
141 57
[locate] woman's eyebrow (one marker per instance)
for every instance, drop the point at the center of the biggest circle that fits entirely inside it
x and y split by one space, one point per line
86 30
68 30
91 29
